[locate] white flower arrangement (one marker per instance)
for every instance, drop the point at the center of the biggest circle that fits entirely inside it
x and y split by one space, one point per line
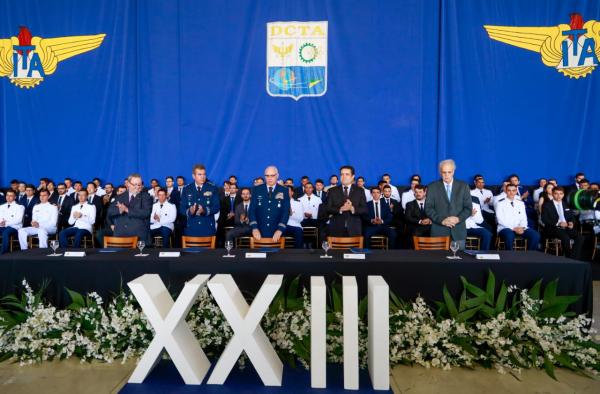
527 334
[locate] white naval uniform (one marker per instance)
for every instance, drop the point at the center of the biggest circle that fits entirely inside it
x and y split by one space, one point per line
407 197
167 214
46 215
297 213
474 221
310 206
87 219
12 214
510 215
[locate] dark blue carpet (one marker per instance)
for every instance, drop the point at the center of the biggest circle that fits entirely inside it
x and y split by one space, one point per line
165 379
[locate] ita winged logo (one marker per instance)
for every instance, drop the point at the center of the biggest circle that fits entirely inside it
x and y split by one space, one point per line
572 49
297 59
27 60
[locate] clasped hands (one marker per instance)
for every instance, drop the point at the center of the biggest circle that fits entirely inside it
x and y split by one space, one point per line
450 221
347 206
196 209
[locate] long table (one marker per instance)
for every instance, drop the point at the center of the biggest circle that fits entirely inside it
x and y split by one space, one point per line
409 273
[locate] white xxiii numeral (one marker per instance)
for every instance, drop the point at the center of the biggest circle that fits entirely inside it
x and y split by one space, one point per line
248 335
172 332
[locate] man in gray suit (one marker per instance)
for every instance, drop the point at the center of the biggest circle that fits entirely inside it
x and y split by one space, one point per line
130 211
448 204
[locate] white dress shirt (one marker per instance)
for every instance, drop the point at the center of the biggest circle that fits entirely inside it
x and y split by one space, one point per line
561 212
407 197
368 195
167 214
482 195
12 214
297 214
100 191
474 221
88 216
46 215
511 215
311 206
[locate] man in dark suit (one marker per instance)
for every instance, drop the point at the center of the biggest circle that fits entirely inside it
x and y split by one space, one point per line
130 212
227 212
95 201
419 224
448 204
559 222
320 191
28 201
347 205
242 222
378 219
64 204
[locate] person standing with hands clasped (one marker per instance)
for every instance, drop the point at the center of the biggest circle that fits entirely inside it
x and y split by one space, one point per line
199 203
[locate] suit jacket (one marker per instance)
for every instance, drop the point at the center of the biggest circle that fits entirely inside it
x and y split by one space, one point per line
53 198
346 222
64 211
550 214
384 211
134 222
28 209
413 213
97 202
226 208
239 211
323 196
438 208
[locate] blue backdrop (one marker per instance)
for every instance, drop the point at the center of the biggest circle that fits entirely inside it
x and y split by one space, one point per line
410 82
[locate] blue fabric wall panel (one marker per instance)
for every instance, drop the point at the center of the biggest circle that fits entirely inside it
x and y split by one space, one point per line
409 83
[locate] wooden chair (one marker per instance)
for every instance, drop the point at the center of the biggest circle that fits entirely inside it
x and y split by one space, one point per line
431 243
267 243
312 234
553 245
472 243
242 242
158 241
341 243
519 243
121 242
198 242
33 240
289 243
87 241
379 242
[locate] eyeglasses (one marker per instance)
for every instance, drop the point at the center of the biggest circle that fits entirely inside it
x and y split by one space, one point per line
270 175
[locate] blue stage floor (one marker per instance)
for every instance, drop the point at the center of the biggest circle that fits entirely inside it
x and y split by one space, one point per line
166 379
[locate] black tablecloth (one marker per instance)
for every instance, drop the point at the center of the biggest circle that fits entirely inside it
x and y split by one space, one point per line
408 272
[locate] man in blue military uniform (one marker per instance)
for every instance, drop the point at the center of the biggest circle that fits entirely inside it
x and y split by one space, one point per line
199 203
269 207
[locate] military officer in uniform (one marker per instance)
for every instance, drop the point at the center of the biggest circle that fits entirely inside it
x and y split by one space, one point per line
199 203
269 207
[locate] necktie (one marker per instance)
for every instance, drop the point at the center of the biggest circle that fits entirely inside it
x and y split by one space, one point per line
376 210
481 191
8 206
81 206
130 198
161 206
421 207
512 203
270 191
90 200
449 192
246 209
199 188
231 208
346 191
60 201
308 198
